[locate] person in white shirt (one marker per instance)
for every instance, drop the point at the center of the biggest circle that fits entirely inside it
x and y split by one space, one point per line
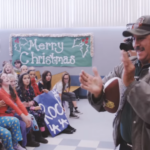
62 88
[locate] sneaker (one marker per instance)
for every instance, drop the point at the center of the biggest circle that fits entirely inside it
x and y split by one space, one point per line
77 111
18 147
72 115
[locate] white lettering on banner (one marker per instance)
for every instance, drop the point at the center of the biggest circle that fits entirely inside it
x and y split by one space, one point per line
62 122
43 58
34 57
72 60
59 113
27 61
48 61
49 110
52 47
55 110
41 46
60 47
33 44
55 124
54 128
51 59
47 117
45 46
40 58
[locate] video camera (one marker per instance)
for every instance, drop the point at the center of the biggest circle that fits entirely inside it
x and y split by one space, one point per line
127 45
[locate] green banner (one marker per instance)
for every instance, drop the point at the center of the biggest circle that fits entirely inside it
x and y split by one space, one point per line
52 50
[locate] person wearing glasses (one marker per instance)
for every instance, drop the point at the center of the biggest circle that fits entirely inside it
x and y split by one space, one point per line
63 88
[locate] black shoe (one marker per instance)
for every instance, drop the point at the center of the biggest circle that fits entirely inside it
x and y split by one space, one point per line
30 141
70 127
39 138
45 134
67 131
77 111
72 115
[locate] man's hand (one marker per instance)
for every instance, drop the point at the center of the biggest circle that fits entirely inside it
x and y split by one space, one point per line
2 103
91 83
129 69
132 53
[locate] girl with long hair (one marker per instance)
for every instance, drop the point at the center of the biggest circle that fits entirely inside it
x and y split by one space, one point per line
45 84
63 88
10 98
30 140
26 94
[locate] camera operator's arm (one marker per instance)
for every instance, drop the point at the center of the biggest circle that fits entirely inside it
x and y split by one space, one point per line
137 92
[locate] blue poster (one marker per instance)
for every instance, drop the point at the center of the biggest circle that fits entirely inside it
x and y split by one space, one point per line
55 118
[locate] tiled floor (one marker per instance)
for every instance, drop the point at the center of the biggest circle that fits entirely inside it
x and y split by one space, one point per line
71 144
94 132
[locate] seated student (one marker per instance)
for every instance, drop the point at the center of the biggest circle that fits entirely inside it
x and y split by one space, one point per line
26 94
24 69
12 80
8 69
33 82
30 140
62 88
17 67
45 84
13 105
33 69
10 133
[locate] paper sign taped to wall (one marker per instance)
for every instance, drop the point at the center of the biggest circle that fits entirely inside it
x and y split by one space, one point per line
52 50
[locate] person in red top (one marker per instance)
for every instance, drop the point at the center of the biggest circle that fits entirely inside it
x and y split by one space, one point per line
30 140
33 82
8 95
14 106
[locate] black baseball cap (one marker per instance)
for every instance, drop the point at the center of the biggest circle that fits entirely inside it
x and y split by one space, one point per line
141 27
